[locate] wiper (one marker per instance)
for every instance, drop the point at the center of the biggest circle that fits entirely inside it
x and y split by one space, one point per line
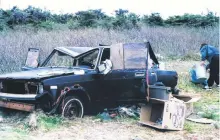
52 66
73 67
56 67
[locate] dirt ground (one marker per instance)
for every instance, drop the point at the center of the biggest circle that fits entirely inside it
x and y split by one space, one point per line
12 126
88 130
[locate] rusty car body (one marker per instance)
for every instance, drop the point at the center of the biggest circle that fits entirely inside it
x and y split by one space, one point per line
73 80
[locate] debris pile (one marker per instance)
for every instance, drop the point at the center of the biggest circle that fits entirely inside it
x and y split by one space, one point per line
120 112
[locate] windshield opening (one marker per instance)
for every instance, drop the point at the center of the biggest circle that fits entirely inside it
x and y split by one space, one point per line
60 59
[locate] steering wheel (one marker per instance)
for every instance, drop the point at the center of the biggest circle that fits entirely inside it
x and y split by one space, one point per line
88 64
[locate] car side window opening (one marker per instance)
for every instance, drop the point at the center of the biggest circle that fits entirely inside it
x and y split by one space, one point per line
105 54
105 65
89 60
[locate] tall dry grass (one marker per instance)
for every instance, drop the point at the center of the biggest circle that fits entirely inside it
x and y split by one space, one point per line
175 41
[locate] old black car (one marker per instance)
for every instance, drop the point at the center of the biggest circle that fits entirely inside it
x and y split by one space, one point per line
72 80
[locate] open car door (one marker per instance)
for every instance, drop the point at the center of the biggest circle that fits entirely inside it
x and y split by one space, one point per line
129 74
32 60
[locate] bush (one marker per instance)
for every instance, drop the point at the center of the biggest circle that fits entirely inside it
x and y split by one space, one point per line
123 19
86 18
73 24
153 20
48 25
3 26
105 23
193 20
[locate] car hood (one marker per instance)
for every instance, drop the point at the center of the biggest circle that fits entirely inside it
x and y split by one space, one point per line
41 73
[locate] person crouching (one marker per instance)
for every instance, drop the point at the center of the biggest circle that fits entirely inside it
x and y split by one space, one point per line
211 54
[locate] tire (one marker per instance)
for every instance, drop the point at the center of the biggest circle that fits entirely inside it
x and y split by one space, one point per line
73 108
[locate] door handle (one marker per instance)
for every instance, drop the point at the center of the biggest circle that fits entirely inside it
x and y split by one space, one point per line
153 73
139 74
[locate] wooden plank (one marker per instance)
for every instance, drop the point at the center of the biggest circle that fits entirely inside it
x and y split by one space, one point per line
201 120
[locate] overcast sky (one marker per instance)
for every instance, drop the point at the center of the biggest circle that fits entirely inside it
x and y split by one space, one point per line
164 7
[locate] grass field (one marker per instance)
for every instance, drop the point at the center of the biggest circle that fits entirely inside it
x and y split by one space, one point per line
178 45
172 42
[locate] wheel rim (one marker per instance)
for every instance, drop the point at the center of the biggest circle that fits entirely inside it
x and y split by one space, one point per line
73 109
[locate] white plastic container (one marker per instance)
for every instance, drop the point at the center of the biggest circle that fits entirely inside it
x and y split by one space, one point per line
200 72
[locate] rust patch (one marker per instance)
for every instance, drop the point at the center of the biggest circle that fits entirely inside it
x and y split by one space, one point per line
17 106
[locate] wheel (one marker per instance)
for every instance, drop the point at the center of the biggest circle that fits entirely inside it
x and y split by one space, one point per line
73 108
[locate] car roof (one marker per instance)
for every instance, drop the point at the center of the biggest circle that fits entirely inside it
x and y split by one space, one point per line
75 51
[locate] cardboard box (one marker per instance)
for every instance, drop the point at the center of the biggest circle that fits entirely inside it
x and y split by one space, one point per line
188 100
171 112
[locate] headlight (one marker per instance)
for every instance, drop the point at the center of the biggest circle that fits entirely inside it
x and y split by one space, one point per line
40 88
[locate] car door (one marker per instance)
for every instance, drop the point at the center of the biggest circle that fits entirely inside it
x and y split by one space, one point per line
122 84
135 55
134 84
111 83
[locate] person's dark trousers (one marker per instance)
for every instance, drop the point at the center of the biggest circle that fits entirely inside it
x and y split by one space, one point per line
214 71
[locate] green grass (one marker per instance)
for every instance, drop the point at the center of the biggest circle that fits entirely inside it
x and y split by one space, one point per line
21 132
208 98
47 123
16 133
186 85
192 127
191 56
210 114
189 127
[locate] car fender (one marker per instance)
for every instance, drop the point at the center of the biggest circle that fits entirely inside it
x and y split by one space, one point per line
79 91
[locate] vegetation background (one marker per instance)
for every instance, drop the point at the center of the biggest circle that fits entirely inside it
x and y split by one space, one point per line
175 37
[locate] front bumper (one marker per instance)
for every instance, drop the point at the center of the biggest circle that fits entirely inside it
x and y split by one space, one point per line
19 97
17 106
23 102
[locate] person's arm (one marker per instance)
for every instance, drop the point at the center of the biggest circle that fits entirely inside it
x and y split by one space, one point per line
207 66
203 52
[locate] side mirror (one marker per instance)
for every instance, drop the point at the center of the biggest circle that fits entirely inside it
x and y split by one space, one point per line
105 67
32 59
